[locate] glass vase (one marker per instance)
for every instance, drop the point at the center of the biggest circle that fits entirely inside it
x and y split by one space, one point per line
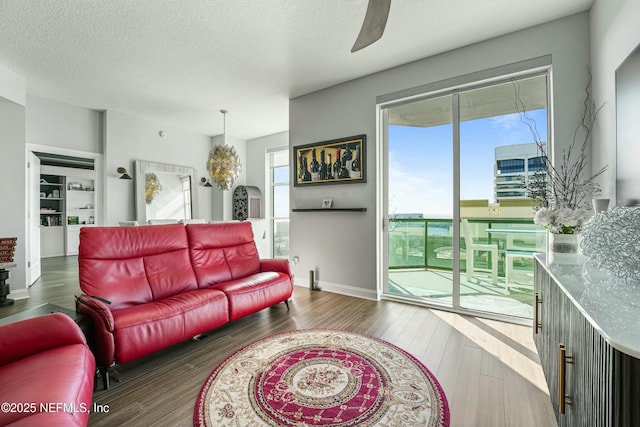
563 248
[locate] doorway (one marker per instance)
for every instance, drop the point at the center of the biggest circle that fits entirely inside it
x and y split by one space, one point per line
459 230
65 194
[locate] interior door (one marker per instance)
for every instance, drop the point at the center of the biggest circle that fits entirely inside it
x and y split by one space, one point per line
33 218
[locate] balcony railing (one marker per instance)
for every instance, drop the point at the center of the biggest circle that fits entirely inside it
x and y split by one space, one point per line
427 243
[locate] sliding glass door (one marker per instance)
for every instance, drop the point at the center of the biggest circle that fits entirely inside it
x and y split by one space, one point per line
500 128
420 202
459 230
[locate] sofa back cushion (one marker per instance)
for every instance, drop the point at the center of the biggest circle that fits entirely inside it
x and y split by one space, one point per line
134 265
223 251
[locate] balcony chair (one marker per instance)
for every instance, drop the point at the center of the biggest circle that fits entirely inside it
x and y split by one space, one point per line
516 249
473 247
509 257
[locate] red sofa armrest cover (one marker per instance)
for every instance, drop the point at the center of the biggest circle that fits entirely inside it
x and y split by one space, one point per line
31 336
276 264
103 326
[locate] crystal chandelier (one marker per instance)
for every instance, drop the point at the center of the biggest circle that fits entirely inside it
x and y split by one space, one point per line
224 163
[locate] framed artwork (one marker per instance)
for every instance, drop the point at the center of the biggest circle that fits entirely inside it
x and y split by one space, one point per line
326 203
338 161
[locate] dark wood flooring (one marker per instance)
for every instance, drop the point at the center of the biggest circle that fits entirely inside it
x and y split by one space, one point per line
488 369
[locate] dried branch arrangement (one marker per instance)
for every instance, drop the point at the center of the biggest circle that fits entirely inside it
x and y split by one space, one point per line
567 183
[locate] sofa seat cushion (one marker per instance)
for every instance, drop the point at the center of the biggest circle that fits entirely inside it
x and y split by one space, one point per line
61 375
150 327
255 292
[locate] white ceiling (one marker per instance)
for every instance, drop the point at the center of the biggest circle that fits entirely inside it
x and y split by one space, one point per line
178 62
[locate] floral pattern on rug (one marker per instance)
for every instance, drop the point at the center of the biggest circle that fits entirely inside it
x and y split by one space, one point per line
321 377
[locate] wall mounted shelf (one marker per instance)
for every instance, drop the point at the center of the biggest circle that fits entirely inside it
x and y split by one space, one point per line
329 210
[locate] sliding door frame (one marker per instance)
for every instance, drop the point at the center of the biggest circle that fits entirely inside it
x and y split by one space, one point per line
449 87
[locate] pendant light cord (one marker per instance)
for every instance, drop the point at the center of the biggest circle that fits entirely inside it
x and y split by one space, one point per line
224 126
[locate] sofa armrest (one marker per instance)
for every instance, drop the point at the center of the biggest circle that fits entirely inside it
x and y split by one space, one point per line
276 264
97 308
36 335
103 327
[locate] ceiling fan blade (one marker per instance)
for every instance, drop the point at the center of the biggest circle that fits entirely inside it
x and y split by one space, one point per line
374 22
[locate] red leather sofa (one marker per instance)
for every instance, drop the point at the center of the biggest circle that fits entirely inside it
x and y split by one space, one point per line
46 373
151 287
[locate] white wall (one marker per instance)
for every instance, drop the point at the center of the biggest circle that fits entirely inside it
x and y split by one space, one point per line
123 139
256 175
13 178
343 245
256 157
61 128
628 131
128 138
62 125
12 87
614 35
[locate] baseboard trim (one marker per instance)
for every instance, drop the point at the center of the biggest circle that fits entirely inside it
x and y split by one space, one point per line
347 290
18 294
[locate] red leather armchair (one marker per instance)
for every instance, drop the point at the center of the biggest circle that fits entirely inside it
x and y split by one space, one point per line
46 373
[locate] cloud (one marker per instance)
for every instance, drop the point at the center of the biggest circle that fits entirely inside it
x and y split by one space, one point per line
506 121
426 191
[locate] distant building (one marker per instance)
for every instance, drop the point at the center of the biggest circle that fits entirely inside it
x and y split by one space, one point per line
514 166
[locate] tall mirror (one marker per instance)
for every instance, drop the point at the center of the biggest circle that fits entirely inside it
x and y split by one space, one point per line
164 193
628 131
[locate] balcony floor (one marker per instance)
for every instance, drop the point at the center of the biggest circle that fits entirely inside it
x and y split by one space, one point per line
478 294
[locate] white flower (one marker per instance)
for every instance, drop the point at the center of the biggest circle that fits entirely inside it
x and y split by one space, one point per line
560 219
584 215
542 217
567 217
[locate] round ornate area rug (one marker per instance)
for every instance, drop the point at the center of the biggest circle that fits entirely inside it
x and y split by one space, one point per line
321 377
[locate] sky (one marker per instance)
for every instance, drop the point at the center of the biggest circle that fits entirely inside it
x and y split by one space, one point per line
421 164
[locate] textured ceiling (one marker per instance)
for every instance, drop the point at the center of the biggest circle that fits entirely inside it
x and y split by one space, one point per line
178 62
